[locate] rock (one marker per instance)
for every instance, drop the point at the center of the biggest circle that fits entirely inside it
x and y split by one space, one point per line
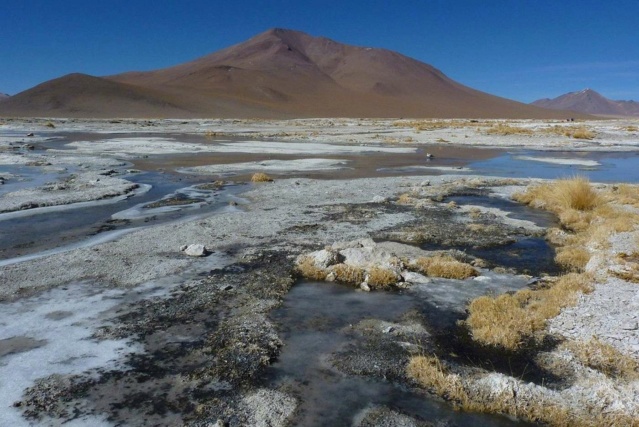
326 257
331 277
364 286
30 134
379 199
630 326
425 183
196 250
232 203
183 248
412 277
389 329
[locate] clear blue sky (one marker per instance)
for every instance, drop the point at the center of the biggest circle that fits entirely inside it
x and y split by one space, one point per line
519 49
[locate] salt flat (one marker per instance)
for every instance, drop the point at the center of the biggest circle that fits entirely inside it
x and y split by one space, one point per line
140 305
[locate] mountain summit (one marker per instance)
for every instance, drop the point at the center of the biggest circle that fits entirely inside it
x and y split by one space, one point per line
590 102
276 74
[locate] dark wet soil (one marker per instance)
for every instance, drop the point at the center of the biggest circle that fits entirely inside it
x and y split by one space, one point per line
203 347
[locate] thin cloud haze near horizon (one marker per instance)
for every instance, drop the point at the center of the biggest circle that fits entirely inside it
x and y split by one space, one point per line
519 50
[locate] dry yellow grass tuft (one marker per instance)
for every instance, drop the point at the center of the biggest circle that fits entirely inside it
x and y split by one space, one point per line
445 267
628 268
592 215
604 358
582 133
307 268
430 372
379 277
577 132
261 177
572 258
572 199
405 199
506 129
348 274
510 320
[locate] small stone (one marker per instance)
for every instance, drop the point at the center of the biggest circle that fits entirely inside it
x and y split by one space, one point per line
389 329
196 250
364 286
425 183
630 326
232 203
330 277
225 287
379 199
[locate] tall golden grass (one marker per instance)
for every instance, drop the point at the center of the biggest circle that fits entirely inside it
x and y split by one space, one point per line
511 320
444 266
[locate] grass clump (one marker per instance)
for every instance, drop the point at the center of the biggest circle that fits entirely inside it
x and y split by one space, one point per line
506 129
405 199
379 277
581 133
573 200
604 358
510 320
572 258
431 373
445 267
306 268
261 177
348 274
628 267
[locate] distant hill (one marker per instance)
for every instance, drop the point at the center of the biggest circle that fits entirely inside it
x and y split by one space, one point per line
3 96
277 74
590 102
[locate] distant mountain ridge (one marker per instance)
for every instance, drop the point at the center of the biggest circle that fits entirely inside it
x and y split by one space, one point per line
3 95
590 102
277 74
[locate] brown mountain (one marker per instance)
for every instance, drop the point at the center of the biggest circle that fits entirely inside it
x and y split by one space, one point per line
3 96
276 74
590 102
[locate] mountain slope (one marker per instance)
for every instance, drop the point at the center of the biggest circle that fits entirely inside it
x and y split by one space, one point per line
276 74
590 102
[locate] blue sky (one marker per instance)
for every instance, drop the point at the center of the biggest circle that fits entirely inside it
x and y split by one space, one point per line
522 50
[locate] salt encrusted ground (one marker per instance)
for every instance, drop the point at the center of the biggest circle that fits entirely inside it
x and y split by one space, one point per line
285 216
